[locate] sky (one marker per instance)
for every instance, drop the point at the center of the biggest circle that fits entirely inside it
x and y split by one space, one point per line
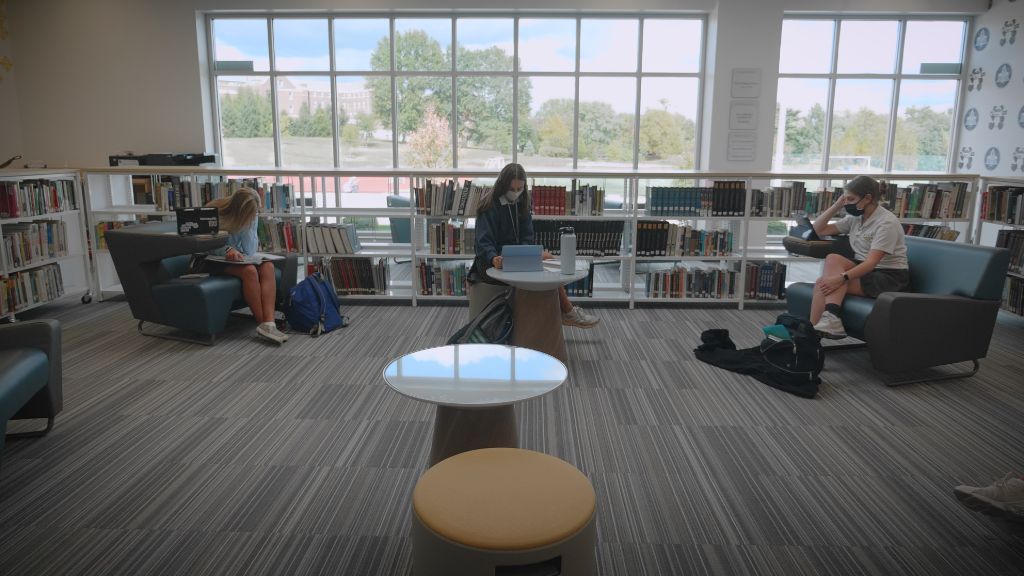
477 361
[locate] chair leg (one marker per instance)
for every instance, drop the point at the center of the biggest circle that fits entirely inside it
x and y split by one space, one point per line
208 341
953 376
34 433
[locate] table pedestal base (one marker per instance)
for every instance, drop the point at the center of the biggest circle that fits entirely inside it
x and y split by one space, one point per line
458 430
537 322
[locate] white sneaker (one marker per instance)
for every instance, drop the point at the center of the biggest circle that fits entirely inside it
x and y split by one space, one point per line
277 332
830 326
1003 497
577 317
270 332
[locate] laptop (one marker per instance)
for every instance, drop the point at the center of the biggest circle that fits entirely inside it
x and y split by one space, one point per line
193 221
522 258
804 229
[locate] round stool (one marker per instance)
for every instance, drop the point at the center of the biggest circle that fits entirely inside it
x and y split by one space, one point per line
503 511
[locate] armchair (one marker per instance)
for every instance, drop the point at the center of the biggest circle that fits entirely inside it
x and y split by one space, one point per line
150 260
30 374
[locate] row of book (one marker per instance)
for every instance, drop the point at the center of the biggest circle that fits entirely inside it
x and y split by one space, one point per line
661 238
357 276
104 225
724 198
583 200
278 234
593 237
448 198
1003 204
789 198
931 231
23 198
584 287
442 278
27 243
692 280
1013 240
1013 295
30 287
169 192
936 201
765 280
449 238
332 239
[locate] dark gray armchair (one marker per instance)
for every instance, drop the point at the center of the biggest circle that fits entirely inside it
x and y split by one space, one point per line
30 374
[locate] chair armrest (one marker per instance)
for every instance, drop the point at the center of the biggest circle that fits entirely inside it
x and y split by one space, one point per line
289 268
44 335
909 331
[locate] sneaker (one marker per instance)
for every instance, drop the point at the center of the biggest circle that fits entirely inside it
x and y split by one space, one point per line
577 317
269 332
1002 498
830 326
279 333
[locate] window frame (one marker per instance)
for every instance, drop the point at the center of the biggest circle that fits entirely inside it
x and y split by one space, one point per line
454 74
896 77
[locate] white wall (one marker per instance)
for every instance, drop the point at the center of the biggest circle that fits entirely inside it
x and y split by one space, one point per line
105 76
10 114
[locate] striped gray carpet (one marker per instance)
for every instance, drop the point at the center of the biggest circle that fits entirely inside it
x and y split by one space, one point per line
245 458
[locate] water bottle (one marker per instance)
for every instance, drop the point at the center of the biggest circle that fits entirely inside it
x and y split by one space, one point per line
567 249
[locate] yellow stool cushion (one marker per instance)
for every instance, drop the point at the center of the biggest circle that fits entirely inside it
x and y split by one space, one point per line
504 499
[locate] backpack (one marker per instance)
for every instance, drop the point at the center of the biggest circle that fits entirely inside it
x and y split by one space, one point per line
801 357
493 325
313 308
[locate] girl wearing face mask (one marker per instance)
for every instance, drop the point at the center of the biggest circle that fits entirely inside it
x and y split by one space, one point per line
877 239
504 217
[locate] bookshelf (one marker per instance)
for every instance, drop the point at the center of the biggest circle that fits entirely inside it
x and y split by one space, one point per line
44 254
406 245
1001 223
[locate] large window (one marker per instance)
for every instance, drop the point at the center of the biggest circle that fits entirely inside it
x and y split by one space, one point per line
474 91
864 95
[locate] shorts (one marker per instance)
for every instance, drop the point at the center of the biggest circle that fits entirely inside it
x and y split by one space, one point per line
885 280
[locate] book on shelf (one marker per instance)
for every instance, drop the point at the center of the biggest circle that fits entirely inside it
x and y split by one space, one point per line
663 238
584 287
278 234
575 200
593 237
255 258
102 227
27 288
29 242
691 280
172 192
1013 240
725 198
332 238
450 238
357 276
447 198
1003 204
765 280
36 197
442 277
1013 295
931 231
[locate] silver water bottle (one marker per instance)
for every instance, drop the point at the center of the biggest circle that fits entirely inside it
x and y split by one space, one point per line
567 249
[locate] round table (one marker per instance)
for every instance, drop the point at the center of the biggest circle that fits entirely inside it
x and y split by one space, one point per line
536 311
475 388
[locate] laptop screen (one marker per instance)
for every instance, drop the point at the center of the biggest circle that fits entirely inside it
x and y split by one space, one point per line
192 221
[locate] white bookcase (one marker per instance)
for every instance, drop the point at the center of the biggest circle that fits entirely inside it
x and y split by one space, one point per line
44 255
393 238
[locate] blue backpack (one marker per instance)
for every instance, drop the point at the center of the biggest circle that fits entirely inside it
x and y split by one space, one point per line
313 308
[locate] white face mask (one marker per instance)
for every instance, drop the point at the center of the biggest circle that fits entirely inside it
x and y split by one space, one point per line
513 195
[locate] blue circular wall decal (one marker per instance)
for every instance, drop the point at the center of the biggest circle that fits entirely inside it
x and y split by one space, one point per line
981 39
1003 75
992 158
1020 117
971 119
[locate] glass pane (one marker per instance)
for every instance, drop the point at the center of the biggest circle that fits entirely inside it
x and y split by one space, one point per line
800 125
546 121
361 44
668 123
304 107
931 42
867 47
806 46
423 45
484 121
424 122
672 45
607 109
301 45
860 125
485 44
240 45
923 125
608 45
547 45
364 114
246 121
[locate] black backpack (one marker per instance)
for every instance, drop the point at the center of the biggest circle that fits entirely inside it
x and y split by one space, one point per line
800 358
493 325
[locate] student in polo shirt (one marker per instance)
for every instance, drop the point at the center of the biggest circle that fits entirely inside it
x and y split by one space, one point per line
877 239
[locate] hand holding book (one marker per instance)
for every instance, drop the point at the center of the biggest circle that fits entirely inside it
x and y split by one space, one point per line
235 257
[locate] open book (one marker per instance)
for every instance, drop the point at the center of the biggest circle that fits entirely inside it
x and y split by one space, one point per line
257 258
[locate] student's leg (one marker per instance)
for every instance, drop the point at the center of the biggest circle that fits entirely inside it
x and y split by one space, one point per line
268 290
834 264
563 300
251 290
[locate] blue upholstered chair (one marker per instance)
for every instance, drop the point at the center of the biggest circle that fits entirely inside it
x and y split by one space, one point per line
150 260
30 374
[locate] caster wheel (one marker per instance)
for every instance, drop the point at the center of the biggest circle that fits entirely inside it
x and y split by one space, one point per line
87 298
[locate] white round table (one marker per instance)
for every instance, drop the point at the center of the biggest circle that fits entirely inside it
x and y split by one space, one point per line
536 311
475 388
